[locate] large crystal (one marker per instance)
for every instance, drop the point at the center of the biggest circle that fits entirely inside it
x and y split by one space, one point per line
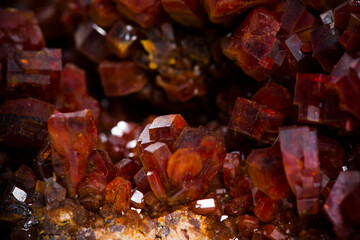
255 120
73 138
155 158
189 179
251 44
266 172
34 74
302 167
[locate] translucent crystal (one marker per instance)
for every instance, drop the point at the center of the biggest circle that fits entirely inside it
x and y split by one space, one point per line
252 42
266 172
255 120
118 193
73 138
121 78
302 167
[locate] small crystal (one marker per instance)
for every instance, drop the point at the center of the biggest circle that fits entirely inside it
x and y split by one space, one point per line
90 41
247 225
19 194
137 199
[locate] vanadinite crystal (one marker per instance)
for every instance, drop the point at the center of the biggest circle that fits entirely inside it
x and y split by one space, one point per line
302 167
73 137
180 119
256 120
121 78
34 74
252 42
23 122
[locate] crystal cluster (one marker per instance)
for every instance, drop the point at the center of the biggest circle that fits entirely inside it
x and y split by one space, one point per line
93 138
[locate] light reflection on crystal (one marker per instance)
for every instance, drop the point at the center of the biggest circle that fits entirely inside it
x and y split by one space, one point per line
205 203
19 194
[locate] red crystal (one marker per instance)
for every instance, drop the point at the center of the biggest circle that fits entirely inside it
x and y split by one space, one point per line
252 42
34 74
238 206
121 78
326 47
220 11
350 40
302 167
141 181
167 128
73 138
185 12
292 11
23 122
91 190
19 31
255 120
101 163
156 185
265 207
126 168
343 11
274 96
155 158
247 225
145 13
273 233
311 96
103 12
266 172
118 193
344 185
306 21
206 148
331 155
348 88
73 95
206 206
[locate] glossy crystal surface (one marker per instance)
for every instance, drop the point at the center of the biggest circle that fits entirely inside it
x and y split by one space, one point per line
73 137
